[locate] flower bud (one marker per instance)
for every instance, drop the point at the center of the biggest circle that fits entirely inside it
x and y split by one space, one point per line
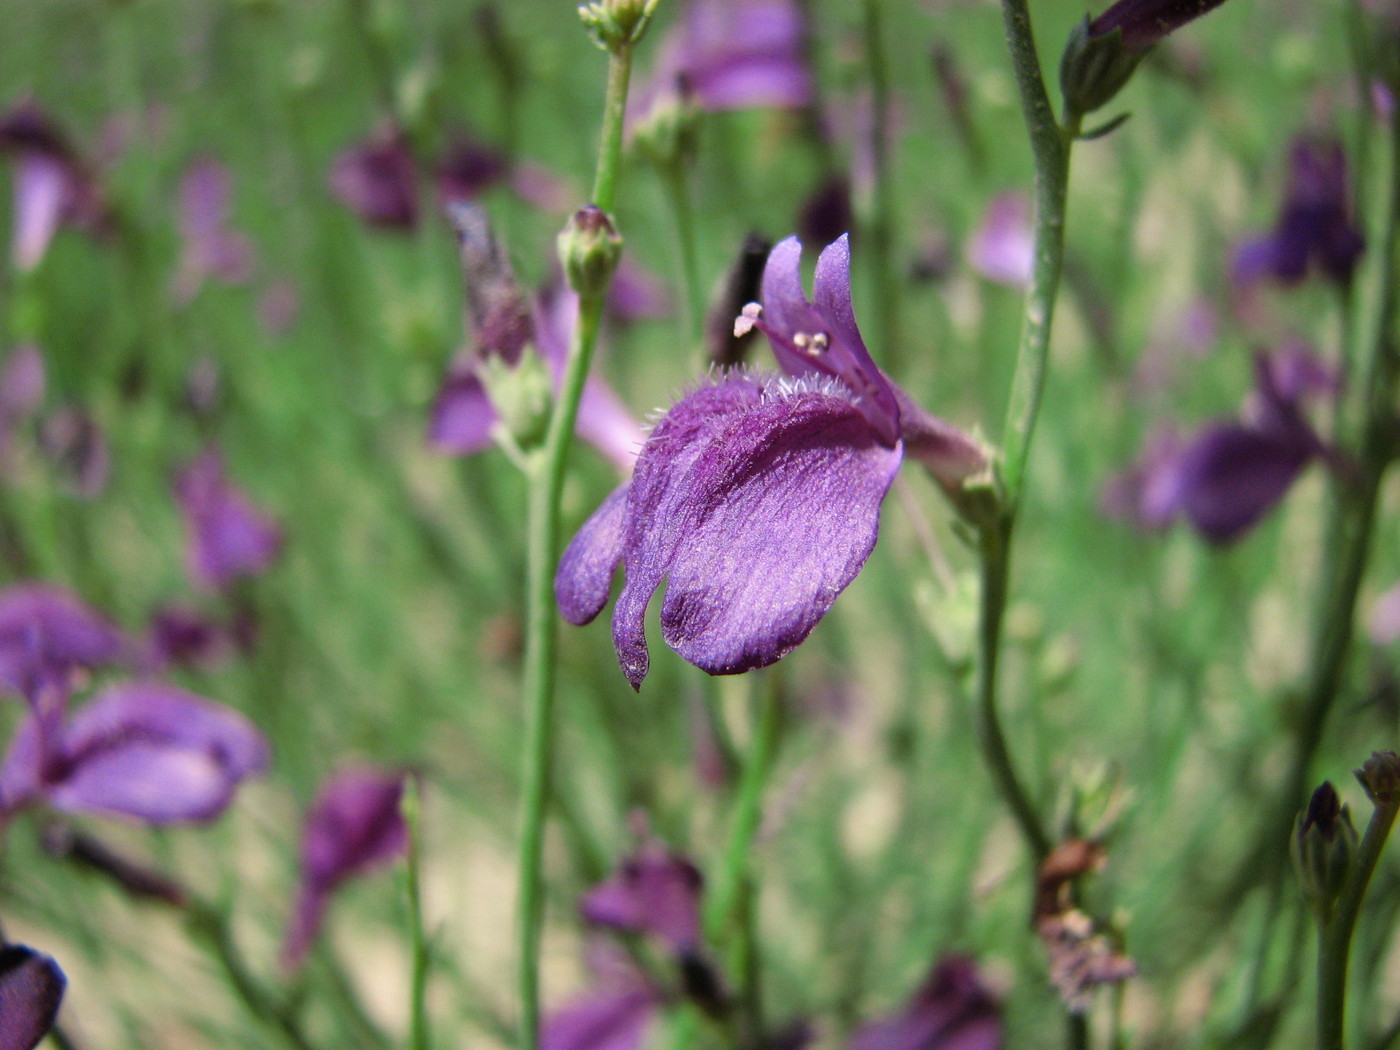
1324 845
617 24
522 396
589 247
669 137
1380 776
1094 68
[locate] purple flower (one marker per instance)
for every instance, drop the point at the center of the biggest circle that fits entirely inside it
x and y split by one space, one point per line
616 1014
183 637
377 180
501 324
953 1010
757 497
211 249
731 54
31 989
354 825
1003 247
1314 227
47 636
654 891
1146 23
143 750
228 537
1234 471
51 187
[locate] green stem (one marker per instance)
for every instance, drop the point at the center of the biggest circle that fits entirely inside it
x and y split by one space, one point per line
545 480
673 176
879 227
419 1037
1334 944
996 559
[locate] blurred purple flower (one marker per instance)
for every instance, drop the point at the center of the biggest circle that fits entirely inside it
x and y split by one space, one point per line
654 891
759 497
76 446
1234 471
354 825
616 1014
377 180
228 537
1146 23
31 989
22 382
278 307
211 249
142 749
731 54
468 168
501 324
1383 625
1314 227
1002 249
51 186
827 211
636 294
953 1010
180 636
47 635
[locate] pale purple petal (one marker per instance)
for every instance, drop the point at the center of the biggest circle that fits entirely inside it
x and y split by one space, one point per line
1383 624
211 249
462 415
584 578
778 516
654 891
739 54
42 190
46 634
1149 493
31 989
658 484
304 926
952 1011
636 294
228 537
612 1017
22 382
1003 248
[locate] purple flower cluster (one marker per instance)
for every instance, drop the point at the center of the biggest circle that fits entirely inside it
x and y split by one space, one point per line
757 498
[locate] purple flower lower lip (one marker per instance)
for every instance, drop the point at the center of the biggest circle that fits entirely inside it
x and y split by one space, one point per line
31 989
228 537
654 891
46 634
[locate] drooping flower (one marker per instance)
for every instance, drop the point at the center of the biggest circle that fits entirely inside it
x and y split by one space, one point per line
228 536
731 54
47 635
654 891
1145 23
377 180
501 323
1314 227
1003 247
51 186
758 498
144 750
952 1010
31 989
1235 471
354 825
211 249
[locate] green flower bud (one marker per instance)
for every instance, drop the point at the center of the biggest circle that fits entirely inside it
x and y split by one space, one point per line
1094 68
617 24
1380 776
669 137
522 396
1324 847
589 247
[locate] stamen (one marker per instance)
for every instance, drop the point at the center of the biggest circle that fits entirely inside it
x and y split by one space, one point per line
801 340
820 341
743 324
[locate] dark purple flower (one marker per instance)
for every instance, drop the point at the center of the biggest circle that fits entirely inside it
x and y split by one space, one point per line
501 323
1235 471
469 168
1314 226
731 54
1146 23
211 249
1003 248
143 750
615 1014
51 186
953 1010
184 637
378 181
228 537
354 825
654 891
76 446
47 635
758 498
31 989
827 212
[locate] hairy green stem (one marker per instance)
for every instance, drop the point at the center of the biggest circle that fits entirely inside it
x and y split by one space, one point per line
1334 943
545 480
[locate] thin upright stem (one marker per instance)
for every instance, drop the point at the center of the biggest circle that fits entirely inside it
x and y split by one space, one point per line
545 479
677 184
419 1037
879 223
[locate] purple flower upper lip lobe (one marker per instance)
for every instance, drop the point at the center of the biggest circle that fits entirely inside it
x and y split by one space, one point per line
757 498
